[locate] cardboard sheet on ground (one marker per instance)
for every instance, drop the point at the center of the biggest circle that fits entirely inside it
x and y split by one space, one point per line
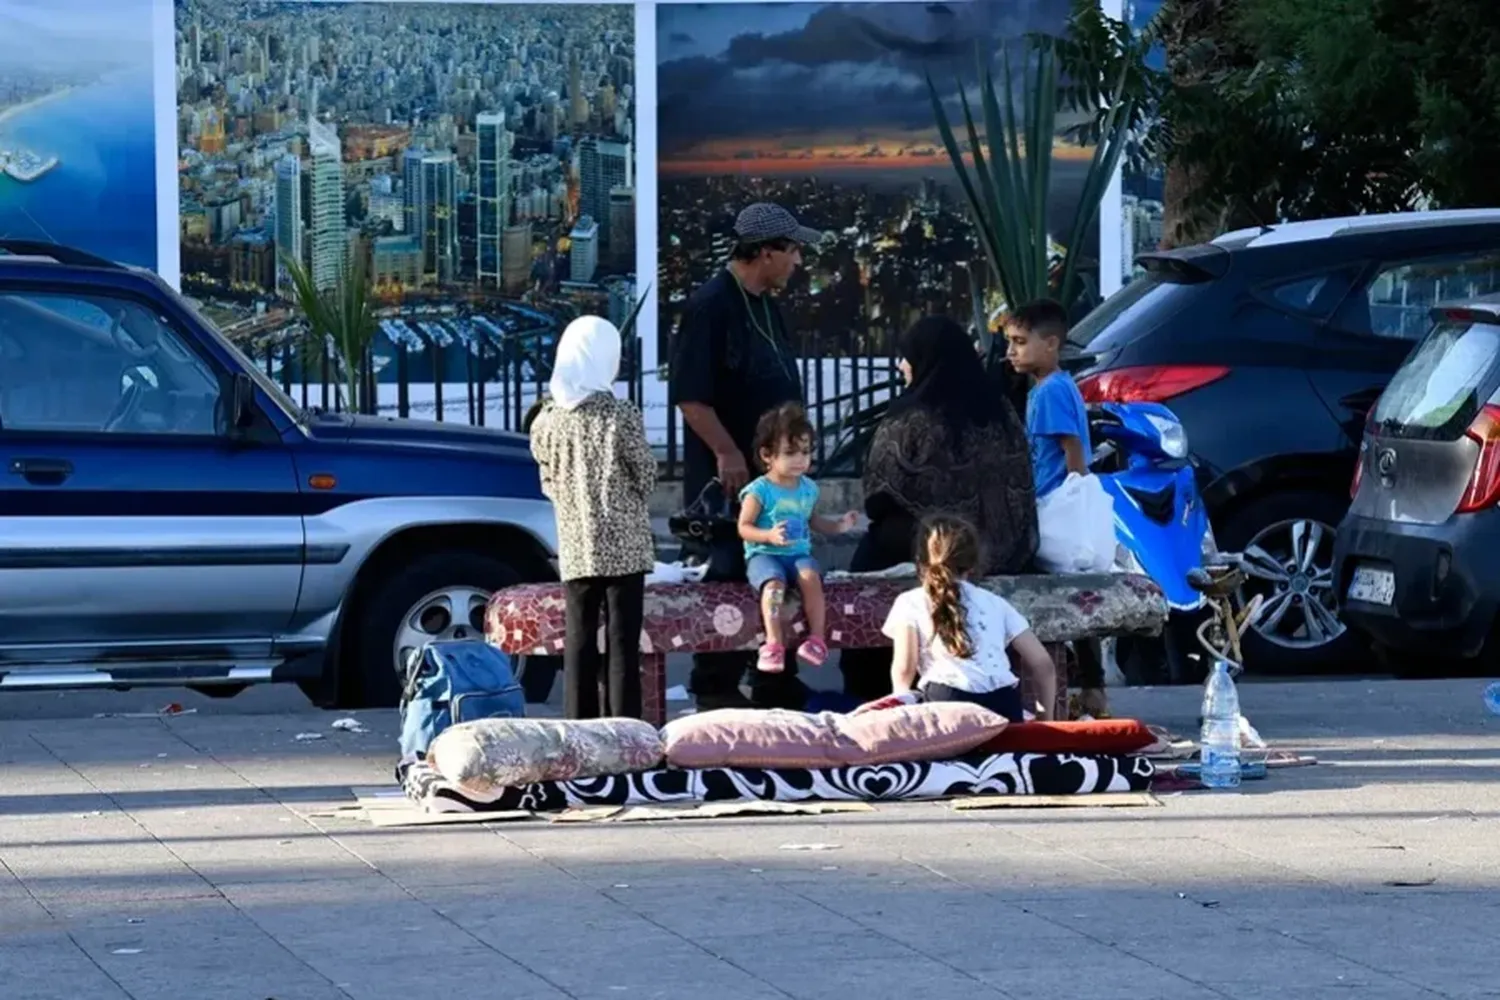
1103 800
383 806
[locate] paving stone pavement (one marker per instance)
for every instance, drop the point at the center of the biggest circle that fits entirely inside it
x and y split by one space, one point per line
174 860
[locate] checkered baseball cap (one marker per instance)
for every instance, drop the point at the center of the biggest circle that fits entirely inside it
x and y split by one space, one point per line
764 221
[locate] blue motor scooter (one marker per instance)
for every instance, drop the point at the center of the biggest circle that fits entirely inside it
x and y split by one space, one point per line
1141 459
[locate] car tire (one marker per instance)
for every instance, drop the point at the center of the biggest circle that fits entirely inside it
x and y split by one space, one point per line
367 675
1266 520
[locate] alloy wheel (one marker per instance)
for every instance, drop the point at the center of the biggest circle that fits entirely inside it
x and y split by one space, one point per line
449 613
1290 564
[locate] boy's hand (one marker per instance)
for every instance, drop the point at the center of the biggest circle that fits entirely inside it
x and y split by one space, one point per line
777 535
848 522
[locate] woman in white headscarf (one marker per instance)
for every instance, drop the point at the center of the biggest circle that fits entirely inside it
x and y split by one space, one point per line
598 470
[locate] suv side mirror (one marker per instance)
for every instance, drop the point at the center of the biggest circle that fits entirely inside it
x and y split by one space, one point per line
241 404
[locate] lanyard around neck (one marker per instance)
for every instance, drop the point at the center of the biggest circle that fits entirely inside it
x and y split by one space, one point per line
767 331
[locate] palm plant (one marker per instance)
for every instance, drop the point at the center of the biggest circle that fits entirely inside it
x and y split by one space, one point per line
342 316
1008 184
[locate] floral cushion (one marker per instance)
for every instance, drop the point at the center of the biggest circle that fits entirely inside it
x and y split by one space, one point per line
490 754
733 737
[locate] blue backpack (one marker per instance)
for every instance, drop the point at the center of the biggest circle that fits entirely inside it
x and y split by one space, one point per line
455 681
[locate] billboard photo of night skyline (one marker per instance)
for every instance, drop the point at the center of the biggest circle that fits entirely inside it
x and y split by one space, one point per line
824 108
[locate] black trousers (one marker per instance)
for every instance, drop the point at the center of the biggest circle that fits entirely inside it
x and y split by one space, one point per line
1090 664
588 692
867 672
1004 701
715 683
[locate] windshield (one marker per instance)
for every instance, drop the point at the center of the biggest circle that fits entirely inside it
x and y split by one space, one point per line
257 375
1440 388
1139 306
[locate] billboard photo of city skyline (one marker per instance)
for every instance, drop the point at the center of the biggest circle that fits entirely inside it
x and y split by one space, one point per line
477 158
824 108
77 126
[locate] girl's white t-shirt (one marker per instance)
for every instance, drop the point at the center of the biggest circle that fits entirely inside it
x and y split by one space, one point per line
993 624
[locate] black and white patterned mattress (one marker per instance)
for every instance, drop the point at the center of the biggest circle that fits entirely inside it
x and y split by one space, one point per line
981 774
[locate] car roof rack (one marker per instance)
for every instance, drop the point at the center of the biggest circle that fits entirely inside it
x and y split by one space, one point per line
55 252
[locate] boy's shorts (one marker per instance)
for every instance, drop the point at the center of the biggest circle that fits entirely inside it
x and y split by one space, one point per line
762 568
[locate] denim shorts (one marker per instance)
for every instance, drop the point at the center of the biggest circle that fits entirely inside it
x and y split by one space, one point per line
762 568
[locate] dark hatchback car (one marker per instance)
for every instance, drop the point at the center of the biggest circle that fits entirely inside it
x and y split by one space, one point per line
1416 555
1271 345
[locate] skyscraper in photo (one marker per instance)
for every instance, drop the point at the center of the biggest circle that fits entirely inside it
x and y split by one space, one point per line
516 257
603 166
431 191
286 231
620 245
583 256
493 204
328 240
578 103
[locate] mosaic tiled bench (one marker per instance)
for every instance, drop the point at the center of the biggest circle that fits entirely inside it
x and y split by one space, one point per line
529 620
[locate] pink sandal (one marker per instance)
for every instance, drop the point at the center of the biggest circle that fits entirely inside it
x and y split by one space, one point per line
772 659
813 651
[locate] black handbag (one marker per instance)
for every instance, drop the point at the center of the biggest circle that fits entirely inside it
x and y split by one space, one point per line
708 530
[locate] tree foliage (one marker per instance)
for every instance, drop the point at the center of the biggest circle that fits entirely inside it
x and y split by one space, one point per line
1287 109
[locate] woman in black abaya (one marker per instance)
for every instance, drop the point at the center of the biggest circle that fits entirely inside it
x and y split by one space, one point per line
950 443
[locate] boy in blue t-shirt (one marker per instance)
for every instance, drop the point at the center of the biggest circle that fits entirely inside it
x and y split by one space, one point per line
776 521
1056 419
1057 422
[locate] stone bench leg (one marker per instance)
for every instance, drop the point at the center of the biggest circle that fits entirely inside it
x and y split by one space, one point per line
654 688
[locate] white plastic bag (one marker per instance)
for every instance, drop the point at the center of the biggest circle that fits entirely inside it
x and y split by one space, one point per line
1077 525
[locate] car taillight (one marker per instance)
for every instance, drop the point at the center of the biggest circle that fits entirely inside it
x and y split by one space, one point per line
1484 481
1147 383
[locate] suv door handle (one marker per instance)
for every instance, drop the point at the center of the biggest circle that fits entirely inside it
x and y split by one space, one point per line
42 471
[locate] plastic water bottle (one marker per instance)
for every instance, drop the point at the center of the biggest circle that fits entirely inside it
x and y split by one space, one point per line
1219 744
1492 698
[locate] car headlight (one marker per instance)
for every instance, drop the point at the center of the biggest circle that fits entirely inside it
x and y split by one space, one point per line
1173 438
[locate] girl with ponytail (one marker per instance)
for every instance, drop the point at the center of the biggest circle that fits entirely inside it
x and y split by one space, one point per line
955 641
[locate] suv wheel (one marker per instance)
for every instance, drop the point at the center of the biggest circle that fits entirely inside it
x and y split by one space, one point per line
1287 540
438 596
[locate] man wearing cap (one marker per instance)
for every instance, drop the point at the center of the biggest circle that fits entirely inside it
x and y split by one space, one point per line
733 362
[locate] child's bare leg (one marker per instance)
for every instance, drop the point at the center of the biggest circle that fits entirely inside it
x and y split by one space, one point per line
772 603
815 606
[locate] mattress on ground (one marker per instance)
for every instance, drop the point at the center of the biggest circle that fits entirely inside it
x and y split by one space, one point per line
978 774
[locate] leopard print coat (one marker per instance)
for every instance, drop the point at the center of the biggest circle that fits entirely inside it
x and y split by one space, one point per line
598 471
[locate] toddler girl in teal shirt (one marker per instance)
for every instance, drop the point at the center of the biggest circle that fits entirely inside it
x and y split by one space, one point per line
776 522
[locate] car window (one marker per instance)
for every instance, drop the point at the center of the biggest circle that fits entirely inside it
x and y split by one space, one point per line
1397 301
1314 295
98 364
1138 307
1439 389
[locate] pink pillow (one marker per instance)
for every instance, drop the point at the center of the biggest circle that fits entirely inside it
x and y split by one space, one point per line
737 737
934 730
749 737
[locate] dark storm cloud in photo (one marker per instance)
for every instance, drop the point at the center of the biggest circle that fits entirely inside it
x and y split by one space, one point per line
759 71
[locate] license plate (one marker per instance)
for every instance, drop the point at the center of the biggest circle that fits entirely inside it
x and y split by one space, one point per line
1373 586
